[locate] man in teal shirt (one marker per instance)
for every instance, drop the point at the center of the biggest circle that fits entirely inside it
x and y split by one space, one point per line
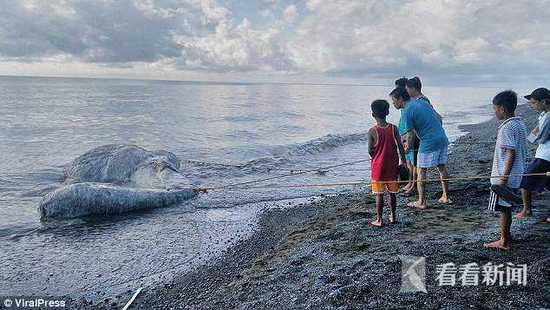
420 120
410 155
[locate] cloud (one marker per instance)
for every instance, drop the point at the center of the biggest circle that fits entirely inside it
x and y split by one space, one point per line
375 36
329 36
290 13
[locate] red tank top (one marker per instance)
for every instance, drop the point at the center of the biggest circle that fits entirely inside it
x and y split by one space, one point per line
385 159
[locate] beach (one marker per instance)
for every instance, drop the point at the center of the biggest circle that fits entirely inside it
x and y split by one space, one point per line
221 133
232 154
324 255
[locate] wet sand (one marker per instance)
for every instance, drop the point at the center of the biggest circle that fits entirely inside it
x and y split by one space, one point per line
324 255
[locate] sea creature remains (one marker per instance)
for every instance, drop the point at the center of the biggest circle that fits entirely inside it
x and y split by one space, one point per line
114 179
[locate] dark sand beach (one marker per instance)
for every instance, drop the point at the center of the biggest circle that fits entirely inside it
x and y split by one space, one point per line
324 255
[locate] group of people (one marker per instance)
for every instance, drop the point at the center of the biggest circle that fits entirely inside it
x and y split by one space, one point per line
509 171
419 142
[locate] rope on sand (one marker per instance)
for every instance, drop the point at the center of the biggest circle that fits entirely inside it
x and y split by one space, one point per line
354 183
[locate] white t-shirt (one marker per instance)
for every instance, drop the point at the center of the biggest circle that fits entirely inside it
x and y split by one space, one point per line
543 150
512 134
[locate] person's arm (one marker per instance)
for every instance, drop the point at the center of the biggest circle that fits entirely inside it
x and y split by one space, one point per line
404 143
372 141
399 146
439 116
411 135
510 144
508 163
409 128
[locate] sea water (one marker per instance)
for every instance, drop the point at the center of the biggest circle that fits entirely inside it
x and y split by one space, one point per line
223 132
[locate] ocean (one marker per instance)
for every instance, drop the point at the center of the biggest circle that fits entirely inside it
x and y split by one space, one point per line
223 132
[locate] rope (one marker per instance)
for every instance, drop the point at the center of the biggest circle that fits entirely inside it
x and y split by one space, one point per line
243 185
281 176
385 182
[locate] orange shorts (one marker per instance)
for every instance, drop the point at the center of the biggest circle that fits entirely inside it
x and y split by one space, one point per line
380 188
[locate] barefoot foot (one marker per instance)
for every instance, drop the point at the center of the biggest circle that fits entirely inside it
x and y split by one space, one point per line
498 245
445 200
377 223
416 204
523 214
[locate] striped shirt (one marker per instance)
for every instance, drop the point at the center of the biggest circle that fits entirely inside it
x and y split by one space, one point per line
512 135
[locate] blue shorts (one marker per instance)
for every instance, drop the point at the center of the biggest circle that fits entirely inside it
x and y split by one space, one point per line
433 159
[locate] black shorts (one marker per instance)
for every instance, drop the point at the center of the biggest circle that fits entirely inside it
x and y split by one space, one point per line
536 183
496 202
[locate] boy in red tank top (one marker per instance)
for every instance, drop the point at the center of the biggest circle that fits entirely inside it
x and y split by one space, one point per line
387 155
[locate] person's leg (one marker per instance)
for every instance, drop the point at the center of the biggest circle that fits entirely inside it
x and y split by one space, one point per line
527 196
421 186
506 224
443 176
505 236
409 189
409 185
415 178
412 188
379 206
393 204
415 166
533 183
421 202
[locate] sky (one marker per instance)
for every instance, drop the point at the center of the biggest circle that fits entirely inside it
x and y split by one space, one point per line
276 39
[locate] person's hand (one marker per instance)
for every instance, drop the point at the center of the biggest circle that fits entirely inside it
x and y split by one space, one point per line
406 147
504 181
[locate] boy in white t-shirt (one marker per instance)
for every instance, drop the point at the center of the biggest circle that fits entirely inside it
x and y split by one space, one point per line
539 101
508 163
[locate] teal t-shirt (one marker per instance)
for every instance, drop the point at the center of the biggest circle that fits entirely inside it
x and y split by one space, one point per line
401 128
421 118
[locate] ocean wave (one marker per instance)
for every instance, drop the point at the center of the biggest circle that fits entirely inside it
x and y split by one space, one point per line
282 156
320 145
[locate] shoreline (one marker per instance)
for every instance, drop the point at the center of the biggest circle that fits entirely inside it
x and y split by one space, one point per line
323 254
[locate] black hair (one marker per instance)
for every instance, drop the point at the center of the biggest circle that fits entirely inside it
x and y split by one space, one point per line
507 99
401 82
380 108
414 83
400 93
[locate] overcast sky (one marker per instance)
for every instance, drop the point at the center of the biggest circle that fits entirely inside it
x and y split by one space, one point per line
200 39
